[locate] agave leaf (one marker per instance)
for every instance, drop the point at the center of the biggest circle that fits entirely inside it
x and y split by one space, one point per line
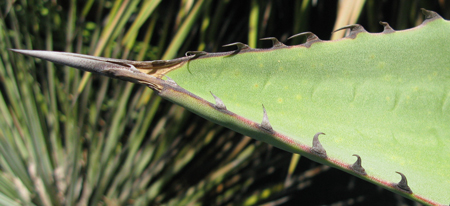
383 97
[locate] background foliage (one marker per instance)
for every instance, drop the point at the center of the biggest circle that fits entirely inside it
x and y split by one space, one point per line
69 138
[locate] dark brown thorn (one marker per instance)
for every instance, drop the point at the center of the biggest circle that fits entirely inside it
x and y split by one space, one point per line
317 148
265 124
240 46
276 43
357 167
354 30
170 81
195 54
310 37
403 184
430 15
219 104
387 28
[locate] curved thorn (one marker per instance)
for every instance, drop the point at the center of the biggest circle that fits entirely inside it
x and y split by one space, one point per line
309 36
387 28
219 103
170 81
276 43
265 124
354 30
351 27
403 184
430 15
357 167
240 46
195 54
317 148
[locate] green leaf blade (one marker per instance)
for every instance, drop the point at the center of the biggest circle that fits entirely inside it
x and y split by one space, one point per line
384 97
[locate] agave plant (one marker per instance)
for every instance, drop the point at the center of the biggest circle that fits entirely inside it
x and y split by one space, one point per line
370 93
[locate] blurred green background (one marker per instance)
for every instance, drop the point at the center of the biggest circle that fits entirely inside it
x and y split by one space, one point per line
69 138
